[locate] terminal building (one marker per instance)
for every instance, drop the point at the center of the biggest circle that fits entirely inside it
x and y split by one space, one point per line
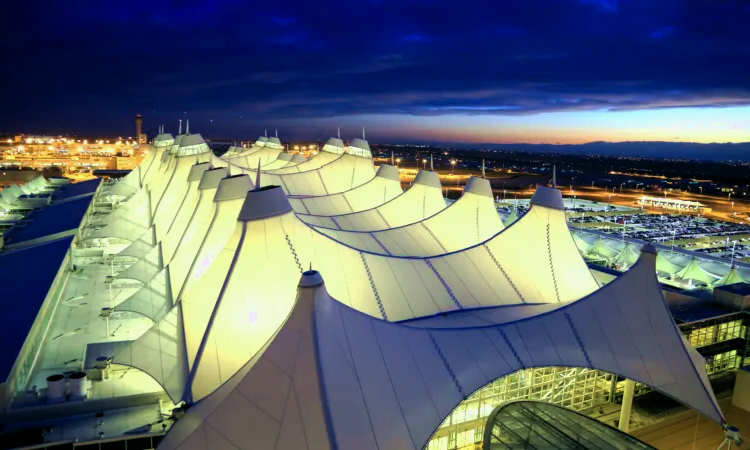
264 300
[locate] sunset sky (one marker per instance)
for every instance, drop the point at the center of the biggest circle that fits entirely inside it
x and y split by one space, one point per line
566 71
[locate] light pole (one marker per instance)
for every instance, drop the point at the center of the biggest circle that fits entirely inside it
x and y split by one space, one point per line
592 184
424 164
674 233
453 165
398 160
701 188
504 191
731 261
621 187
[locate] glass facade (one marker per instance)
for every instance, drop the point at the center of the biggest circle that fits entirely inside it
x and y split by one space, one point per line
722 340
574 388
538 425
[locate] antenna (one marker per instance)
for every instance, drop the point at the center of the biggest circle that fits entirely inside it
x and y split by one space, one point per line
187 126
180 130
483 168
257 178
339 132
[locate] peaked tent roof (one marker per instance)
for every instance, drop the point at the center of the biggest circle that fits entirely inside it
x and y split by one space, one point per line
694 272
383 187
731 277
422 200
474 214
269 248
331 377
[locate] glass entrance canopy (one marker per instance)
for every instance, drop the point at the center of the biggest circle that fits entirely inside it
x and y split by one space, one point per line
531 425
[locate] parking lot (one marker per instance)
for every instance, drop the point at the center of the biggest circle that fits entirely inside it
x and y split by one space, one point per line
690 232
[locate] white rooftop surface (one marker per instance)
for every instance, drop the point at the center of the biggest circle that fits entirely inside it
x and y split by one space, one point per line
422 200
332 377
206 302
474 213
382 188
324 174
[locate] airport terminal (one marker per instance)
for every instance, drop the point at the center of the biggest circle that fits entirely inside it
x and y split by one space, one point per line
267 300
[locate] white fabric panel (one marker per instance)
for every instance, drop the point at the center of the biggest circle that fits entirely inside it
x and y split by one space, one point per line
474 214
145 268
278 392
250 160
386 385
153 300
136 209
140 247
182 220
125 228
415 204
694 272
375 192
160 352
185 245
205 243
175 193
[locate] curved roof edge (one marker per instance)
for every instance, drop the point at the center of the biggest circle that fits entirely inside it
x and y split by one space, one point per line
264 203
360 143
191 139
336 142
196 172
427 178
388 171
549 197
233 187
479 186
211 178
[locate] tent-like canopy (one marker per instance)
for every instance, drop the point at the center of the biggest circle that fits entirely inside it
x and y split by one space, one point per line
474 214
422 200
268 249
695 272
382 188
331 377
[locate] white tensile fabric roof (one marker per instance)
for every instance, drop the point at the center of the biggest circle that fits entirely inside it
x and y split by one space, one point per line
474 213
382 188
219 259
331 377
270 251
423 199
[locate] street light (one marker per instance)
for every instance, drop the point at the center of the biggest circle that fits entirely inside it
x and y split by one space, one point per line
398 160
424 164
453 165
674 233
592 184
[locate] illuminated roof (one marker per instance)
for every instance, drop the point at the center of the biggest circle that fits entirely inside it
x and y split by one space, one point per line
204 257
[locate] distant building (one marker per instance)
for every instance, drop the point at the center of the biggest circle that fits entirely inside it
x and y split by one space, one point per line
139 136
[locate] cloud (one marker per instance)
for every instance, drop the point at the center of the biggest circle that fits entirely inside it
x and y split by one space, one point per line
298 60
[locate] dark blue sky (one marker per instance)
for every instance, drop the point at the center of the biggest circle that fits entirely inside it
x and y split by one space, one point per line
443 70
